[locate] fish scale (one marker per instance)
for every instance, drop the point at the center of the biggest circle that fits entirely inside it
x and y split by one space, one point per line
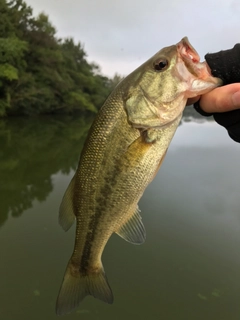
122 154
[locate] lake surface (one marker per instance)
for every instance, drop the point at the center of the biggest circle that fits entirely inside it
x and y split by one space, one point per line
189 266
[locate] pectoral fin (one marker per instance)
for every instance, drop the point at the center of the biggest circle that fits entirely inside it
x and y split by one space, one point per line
66 213
133 229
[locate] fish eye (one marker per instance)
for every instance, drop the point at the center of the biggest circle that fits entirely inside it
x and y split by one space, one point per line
160 64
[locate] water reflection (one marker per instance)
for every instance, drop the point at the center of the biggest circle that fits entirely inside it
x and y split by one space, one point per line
188 269
31 152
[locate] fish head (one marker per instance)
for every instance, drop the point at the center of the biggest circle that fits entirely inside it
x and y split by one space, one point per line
158 90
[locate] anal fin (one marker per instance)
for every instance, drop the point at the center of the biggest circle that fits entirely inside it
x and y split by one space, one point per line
133 230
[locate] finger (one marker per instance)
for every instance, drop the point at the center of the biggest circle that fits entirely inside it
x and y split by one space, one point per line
221 99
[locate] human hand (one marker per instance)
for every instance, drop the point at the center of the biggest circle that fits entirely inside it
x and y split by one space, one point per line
224 104
221 99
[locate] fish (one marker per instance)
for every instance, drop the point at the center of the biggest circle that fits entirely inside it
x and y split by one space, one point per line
123 152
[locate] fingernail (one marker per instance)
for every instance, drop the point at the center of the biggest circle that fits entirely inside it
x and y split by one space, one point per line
236 99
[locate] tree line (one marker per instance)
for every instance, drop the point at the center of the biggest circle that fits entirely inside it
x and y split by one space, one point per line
42 74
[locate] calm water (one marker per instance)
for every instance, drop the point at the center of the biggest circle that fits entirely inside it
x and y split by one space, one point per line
189 267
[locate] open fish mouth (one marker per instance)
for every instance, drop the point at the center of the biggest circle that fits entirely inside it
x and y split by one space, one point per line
187 52
191 59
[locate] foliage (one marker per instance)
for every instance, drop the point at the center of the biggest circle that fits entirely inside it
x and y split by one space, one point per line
40 73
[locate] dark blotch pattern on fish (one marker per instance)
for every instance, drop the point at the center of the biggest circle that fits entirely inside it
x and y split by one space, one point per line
101 204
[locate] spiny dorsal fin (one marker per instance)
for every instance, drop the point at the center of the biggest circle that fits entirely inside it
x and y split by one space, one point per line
66 213
133 230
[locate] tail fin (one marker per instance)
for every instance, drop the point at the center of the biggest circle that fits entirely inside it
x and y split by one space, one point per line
75 287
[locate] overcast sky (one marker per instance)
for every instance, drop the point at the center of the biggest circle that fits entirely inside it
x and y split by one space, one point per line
119 35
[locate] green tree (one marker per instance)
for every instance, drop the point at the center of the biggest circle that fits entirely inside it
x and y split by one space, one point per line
12 51
40 73
115 80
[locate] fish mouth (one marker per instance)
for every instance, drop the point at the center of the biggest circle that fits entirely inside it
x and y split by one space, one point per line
191 59
187 52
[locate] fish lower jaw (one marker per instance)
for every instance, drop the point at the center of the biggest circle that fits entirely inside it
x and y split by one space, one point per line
200 87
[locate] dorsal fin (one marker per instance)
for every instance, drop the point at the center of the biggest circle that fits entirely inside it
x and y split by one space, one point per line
66 212
133 229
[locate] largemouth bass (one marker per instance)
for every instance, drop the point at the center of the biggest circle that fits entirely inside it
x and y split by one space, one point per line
123 152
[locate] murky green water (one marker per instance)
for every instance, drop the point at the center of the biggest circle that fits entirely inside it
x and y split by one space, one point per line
189 267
